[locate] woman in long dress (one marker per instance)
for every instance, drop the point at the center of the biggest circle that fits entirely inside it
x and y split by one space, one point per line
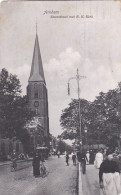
98 159
36 165
109 177
88 155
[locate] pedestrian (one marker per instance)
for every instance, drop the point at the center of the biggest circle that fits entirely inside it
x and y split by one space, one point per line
74 159
104 154
88 155
98 159
109 177
36 165
109 151
58 153
83 159
67 159
91 157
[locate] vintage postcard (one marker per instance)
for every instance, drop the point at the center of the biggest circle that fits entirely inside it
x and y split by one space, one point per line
60 97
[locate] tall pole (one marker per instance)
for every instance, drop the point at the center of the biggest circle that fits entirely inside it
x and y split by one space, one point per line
78 90
78 78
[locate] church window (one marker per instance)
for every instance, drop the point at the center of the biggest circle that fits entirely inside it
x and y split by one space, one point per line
36 90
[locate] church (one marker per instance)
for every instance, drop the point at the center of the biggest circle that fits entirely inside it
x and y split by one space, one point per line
38 99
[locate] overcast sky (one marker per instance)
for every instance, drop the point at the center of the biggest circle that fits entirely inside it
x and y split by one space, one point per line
92 45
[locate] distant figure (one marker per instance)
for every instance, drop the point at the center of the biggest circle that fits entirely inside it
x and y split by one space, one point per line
98 159
58 154
14 155
88 155
36 165
104 154
109 177
67 159
74 158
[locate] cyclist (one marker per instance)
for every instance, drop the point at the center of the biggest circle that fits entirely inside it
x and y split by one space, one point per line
83 159
14 160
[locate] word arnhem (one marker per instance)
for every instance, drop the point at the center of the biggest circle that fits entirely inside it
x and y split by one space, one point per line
50 12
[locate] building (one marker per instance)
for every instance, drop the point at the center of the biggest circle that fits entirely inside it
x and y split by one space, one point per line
37 93
7 146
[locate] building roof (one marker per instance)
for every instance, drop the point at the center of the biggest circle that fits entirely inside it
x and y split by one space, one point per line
37 73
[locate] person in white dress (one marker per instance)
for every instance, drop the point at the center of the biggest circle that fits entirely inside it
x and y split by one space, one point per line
109 177
87 154
98 159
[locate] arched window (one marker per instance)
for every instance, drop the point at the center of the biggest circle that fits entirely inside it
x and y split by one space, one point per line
36 90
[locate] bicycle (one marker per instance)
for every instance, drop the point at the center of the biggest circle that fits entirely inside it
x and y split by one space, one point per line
42 170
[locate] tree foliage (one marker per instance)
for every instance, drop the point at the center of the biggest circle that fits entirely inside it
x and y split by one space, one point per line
62 147
101 117
13 108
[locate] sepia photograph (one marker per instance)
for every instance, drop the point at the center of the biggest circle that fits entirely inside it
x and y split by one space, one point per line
60 98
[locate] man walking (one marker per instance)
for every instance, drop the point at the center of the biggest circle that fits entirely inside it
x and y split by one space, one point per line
67 159
83 159
74 159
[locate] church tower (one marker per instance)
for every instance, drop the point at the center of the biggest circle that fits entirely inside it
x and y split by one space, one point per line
37 91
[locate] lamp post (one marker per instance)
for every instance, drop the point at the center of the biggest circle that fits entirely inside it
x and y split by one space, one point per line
85 130
77 78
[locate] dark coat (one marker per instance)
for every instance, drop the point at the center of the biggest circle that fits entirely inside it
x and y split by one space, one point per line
36 166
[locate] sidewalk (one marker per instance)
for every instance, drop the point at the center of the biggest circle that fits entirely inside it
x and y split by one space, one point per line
89 181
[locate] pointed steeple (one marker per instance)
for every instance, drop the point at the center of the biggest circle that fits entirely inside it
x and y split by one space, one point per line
37 73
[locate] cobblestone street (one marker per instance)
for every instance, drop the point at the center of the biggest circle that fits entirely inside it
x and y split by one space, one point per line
60 179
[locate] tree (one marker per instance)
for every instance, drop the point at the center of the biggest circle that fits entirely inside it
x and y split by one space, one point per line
13 108
62 147
70 118
101 117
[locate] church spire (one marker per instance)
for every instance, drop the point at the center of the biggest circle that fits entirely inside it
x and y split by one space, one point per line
36 27
37 73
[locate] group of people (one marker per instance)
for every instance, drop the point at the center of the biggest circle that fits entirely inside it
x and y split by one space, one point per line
73 159
109 171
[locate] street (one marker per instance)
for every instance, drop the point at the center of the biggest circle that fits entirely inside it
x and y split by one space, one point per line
60 179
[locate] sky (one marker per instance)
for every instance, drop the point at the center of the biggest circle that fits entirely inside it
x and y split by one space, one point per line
93 45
